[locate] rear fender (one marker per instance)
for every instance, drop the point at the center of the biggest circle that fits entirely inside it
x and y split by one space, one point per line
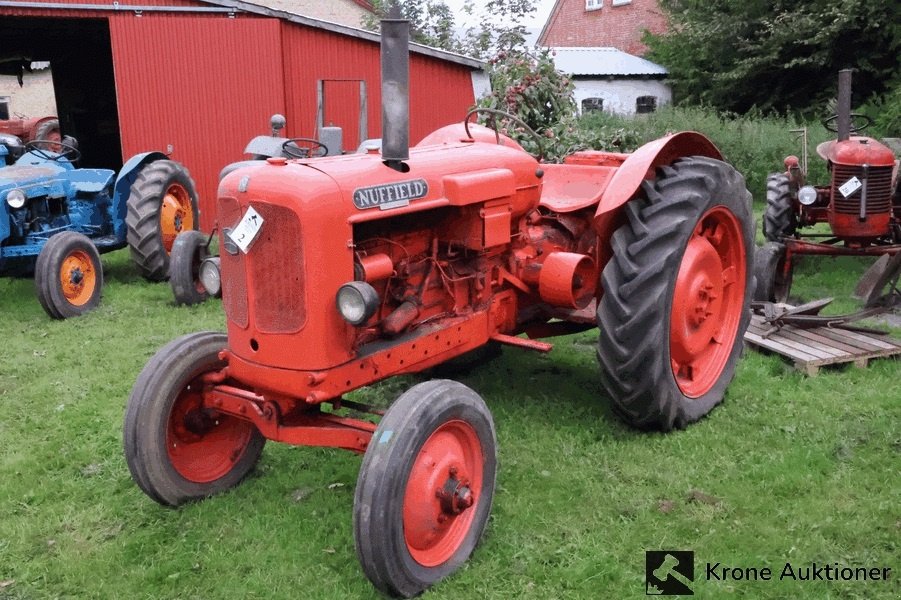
640 165
127 176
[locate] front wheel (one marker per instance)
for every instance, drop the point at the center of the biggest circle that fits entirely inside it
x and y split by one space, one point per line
188 252
774 277
425 488
677 293
68 275
177 450
162 204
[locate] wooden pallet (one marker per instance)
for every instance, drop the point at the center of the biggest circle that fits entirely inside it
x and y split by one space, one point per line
815 347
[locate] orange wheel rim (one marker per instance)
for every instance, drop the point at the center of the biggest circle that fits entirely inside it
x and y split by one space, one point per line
78 278
707 302
442 493
176 214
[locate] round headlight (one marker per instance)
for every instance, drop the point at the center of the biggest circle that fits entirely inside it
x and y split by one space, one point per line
209 275
357 301
807 195
15 198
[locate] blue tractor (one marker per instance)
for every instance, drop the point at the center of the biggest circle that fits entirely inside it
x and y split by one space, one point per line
56 219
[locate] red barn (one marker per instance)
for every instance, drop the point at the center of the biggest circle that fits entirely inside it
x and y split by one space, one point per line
198 79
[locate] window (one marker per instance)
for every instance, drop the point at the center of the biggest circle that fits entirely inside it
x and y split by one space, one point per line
4 107
645 104
592 104
594 4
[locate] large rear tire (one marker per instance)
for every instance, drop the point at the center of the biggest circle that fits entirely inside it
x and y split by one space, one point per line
162 204
176 450
425 488
188 252
779 218
677 293
68 275
49 131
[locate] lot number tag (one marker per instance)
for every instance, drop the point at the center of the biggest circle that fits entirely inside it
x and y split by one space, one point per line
850 186
246 232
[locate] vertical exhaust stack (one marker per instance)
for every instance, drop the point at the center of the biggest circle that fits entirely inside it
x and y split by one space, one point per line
395 52
843 109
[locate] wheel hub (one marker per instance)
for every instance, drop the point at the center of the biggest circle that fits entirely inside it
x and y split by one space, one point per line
455 495
699 287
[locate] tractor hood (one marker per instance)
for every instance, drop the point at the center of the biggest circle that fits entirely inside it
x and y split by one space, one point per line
857 150
34 180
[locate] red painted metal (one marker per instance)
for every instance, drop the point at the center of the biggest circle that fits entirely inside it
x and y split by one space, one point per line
707 301
201 446
440 497
25 128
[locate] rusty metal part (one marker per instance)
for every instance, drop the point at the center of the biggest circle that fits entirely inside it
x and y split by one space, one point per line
806 316
884 273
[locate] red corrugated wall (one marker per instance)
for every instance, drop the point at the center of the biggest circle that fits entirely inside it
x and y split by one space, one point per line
204 84
196 87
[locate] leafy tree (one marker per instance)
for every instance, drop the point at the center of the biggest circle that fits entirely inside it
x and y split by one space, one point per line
776 55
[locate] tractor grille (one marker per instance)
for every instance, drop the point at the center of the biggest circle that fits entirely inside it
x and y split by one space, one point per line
879 189
275 261
234 280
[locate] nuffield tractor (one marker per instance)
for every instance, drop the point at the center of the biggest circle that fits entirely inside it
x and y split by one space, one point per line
56 219
338 272
861 203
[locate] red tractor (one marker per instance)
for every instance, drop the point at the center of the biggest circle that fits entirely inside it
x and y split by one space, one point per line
28 129
341 271
861 203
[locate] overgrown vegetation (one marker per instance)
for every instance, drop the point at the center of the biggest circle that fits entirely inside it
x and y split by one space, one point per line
738 54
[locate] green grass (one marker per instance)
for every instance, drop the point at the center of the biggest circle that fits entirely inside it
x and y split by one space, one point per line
790 468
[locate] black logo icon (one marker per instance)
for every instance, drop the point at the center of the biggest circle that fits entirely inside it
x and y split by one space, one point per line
669 572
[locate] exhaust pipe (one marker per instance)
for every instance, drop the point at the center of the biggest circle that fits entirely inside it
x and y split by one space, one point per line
843 108
395 49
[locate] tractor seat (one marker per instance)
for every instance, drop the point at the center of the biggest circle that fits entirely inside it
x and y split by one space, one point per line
568 188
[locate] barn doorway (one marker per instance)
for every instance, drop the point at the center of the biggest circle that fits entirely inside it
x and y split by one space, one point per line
80 56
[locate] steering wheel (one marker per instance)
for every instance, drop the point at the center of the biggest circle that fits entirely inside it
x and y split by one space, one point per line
72 153
830 123
492 123
291 148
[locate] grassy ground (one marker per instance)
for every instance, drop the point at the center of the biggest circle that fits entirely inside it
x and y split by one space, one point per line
788 469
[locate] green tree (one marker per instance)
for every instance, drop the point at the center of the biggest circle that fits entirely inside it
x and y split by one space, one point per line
776 55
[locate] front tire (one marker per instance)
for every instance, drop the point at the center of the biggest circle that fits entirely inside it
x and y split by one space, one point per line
677 292
425 488
188 252
68 275
162 204
779 218
176 449
773 284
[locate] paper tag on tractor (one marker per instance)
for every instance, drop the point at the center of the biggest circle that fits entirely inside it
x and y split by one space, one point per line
850 186
246 231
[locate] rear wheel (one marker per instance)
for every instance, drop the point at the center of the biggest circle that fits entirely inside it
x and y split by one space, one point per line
68 275
425 488
48 132
162 204
773 284
677 293
176 449
188 252
779 218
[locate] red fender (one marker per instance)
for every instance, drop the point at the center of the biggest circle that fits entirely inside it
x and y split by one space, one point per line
640 165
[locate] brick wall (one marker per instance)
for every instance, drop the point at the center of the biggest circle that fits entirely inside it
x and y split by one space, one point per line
617 26
344 12
34 99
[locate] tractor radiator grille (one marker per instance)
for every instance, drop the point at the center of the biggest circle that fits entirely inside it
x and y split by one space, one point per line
275 262
234 280
879 189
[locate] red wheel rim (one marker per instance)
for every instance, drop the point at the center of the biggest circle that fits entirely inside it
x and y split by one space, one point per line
78 278
176 214
442 493
707 302
203 445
